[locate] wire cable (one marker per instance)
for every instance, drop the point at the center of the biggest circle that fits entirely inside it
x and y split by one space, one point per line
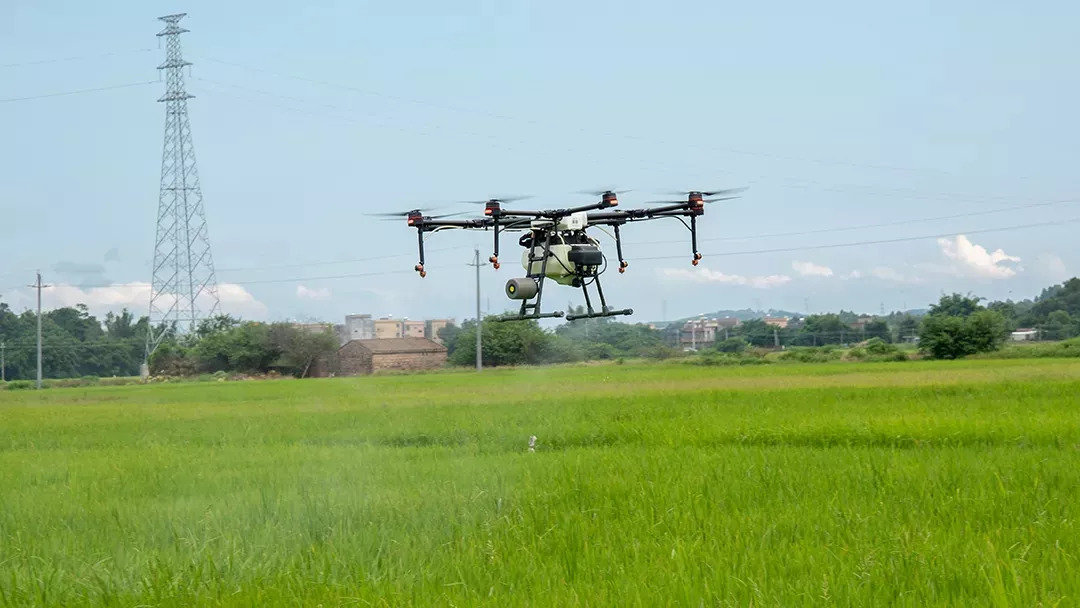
78 91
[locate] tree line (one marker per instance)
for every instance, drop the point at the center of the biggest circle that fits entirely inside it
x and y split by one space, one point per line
79 344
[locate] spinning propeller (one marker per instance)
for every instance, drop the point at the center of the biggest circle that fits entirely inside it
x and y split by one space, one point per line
700 196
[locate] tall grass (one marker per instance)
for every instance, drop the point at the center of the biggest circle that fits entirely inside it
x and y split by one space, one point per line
855 484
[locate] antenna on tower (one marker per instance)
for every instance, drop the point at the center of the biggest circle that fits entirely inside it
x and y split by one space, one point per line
184 287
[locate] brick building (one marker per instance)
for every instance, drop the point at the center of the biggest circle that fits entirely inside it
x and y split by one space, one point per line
402 354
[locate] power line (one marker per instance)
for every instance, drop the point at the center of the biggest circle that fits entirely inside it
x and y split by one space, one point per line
873 242
532 121
877 225
342 114
79 91
77 58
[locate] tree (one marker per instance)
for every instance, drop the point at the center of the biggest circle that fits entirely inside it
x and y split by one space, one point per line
504 343
732 345
758 333
959 326
299 349
956 305
449 335
878 328
1059 325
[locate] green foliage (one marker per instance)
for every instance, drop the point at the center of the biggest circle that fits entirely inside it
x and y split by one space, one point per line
714 359
732 345
879 347
299 349
810 354
959 326
18 385
1045 350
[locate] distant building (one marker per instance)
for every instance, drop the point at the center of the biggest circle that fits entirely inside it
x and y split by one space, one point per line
315 328
1024 334
360 357
781 322
358 327
698 332
434 326
413 329
388 329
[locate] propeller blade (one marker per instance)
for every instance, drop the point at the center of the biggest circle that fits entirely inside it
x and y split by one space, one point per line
502 199
602 192
715 192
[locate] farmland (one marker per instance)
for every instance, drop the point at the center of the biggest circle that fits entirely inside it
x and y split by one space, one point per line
652 484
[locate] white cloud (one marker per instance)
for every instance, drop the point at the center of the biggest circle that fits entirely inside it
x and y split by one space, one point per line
312 294
969 259
704 275
854 274
235 299
810 269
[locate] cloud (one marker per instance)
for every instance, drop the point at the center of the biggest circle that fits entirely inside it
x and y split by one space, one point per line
810 269
854 274
704 275
969 259
112 255
235 299
312 294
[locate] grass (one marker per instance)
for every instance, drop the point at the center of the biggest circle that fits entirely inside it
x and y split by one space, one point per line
943 483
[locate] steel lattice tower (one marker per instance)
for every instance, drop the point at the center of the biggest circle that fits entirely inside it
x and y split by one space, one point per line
183 288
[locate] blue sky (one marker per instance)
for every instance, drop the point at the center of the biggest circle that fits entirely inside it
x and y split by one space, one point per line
308 115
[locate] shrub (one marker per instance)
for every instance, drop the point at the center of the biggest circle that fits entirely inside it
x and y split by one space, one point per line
879 347
19 385
732 345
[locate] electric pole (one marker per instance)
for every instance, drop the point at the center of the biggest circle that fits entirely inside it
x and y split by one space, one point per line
3 363
38 286
479 321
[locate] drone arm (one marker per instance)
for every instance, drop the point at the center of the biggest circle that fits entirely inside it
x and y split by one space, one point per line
495 256
693 239
618 250
420 243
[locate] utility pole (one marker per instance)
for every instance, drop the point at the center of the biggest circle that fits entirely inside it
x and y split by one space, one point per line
3 363
479 321
776 337
38 286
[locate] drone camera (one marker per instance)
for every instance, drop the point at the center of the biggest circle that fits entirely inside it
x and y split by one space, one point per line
521 289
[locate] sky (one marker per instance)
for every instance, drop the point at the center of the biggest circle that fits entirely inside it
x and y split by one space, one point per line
891 153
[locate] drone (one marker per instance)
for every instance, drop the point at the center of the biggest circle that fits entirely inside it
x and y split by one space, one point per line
557 246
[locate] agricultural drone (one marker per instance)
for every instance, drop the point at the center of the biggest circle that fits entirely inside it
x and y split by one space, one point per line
556 245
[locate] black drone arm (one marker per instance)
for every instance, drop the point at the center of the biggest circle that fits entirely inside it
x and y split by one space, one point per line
616 219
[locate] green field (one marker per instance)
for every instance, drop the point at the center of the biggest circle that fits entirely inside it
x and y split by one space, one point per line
949 483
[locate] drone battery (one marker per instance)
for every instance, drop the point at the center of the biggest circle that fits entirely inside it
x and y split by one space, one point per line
586 255
521 289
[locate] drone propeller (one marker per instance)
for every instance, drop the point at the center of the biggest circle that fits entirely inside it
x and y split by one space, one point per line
499 199
602 192
704 200
414 212
721 191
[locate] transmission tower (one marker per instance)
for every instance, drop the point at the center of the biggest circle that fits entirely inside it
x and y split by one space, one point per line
184 288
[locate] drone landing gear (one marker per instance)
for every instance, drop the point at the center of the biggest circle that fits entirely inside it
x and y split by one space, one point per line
604 310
